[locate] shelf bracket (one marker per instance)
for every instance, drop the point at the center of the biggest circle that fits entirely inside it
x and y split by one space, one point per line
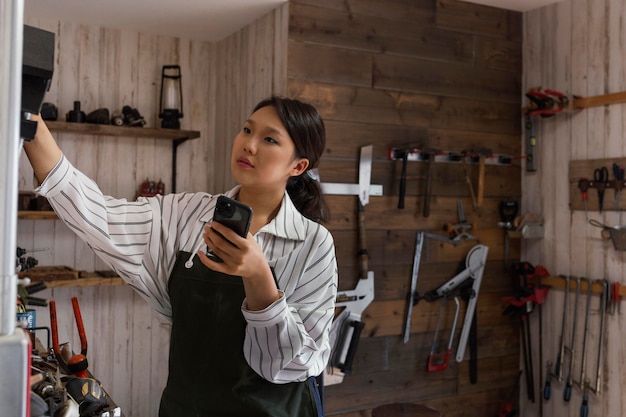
176 143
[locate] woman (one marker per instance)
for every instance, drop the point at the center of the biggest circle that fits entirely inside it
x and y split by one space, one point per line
249 334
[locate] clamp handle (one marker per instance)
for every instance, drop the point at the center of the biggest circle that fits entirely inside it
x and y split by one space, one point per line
356 329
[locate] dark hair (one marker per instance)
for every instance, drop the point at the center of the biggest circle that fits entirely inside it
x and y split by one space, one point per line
306 128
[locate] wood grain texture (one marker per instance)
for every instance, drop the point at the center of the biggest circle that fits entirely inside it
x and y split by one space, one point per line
570 147
377 78
104 67
442 75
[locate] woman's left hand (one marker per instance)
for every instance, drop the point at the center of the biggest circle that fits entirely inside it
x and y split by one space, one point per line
241 257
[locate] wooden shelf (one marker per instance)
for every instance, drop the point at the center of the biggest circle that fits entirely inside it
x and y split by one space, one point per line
90 281
36 215
63 277
112 130
177 136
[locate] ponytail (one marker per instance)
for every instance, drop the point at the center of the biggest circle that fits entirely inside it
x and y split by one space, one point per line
307 196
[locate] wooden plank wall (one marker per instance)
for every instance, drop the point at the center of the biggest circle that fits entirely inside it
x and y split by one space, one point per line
103 67
577 47
433 74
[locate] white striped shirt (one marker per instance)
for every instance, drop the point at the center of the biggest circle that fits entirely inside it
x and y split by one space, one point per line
287 341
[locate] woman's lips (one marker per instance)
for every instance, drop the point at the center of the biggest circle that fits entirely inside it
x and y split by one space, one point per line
244 162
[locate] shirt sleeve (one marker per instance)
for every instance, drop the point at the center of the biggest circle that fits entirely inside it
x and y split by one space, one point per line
289 340
123 234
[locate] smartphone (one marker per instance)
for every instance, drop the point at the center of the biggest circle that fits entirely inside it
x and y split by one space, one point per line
232 214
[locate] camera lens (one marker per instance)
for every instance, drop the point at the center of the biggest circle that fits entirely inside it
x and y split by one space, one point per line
227 209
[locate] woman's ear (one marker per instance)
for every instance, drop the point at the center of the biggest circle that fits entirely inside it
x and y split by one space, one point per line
299 167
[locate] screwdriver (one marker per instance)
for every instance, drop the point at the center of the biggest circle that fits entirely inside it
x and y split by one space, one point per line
584 408
547 392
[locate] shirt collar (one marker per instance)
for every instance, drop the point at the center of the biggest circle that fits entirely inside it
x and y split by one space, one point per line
289 223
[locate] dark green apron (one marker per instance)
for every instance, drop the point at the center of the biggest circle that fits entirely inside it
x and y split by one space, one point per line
208 374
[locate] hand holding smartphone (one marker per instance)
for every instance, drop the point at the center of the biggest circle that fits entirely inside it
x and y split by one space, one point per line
234 215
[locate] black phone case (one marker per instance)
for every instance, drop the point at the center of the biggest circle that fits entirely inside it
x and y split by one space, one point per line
232 214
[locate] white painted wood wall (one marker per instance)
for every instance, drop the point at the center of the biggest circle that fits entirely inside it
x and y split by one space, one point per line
577 47
102 67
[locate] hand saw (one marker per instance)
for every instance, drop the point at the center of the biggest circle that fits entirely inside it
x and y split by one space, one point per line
346 328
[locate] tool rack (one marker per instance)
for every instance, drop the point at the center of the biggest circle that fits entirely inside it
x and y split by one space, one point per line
611 297
559 282
470 157
580 178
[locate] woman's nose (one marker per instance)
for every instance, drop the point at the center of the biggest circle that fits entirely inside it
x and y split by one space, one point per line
250 145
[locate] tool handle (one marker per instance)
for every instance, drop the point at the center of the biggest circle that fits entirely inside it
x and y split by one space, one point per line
567 393
547 389
405 158
363 255
81 327
346 367
438 361
54 328
584 408
481 181
429 185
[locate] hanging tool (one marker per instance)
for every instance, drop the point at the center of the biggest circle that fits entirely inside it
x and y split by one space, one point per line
470 186
338 188
616 298
508 211
474 267
429 184
413 296
567 393
531 145
403 154
547 388
618 183
439 361
521 306
600 177
583 185
558 369
603 306
77 364
580 383
584 408
480 156
507 409
546 103
347 327
458 232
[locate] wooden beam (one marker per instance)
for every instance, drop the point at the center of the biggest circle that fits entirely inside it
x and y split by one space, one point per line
559 282
601 100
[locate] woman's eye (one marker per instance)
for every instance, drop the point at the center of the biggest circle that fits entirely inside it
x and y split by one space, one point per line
246 129
270 140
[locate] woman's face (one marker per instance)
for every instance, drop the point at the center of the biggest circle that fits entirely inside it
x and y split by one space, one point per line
263 153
